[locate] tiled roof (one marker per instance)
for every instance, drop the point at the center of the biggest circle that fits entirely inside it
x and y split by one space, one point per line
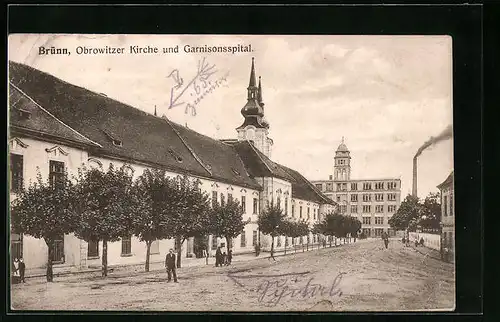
447 182
27 115
258 165
127 132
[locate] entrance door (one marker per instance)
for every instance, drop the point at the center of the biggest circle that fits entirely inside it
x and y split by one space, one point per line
58 250
199 245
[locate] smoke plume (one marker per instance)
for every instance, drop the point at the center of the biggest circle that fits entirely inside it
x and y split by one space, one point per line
445 135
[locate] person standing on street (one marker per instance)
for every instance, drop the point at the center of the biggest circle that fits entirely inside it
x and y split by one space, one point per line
170 265
22 268
229 256
218 257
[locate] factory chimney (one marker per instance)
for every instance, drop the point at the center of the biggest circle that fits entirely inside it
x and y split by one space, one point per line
415 177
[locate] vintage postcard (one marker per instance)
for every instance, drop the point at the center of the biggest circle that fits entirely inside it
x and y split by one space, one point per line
231 173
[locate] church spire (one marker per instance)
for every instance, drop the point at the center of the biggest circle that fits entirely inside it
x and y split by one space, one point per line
259 94
252 75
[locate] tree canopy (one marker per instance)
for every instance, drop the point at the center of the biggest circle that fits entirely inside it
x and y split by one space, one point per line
226 220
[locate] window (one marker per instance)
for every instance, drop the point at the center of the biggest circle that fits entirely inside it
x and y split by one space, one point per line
278 202
16 172
214 242
16 245
366 231
222 201
339 186
300 212
155 247
293 211
354 209
354 197
214 197
338 198
93 248
367 220
56 173
367 208
301 240
308 212
243 204
254 238
367 197
391 197
391 185
243 241
286 241
293 241
391 208
278 241
445 203
127 245
379 208
451 203
329 187
58 249
255 206
379 185
319 186
343 209
379 197
308 239
367 186
379 220
378 231
286 206
354 186
314 214
229 197
314 238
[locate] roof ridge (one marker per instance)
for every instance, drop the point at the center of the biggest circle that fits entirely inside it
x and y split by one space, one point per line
316 191
260 157
51 115
197 158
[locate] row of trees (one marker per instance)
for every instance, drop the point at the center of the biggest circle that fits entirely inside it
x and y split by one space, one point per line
414 212
98 205
273 222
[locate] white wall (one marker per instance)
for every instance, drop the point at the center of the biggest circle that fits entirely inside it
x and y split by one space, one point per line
432 241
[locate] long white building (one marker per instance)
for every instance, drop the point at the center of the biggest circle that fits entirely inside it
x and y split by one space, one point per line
56 126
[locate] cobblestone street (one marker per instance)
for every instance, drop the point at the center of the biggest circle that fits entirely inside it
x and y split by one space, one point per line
355 277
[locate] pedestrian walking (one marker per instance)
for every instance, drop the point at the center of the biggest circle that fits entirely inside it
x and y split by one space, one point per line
385 238
170 265
22 268
218 257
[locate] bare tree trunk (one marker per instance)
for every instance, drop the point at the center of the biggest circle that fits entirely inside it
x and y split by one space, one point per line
49 273
104 258
272 247
286 240
179 251
148 254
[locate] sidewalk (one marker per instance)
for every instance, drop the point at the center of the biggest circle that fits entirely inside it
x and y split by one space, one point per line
185 262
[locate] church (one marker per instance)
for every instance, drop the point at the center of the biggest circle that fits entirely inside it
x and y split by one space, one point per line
57 127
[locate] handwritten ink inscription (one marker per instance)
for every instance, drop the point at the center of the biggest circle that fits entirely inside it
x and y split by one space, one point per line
274 290
198 87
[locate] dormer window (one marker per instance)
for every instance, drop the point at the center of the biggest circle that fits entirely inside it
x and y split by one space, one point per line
24 114
114 139
176 156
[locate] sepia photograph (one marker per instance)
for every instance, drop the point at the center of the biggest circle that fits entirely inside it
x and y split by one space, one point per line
224 173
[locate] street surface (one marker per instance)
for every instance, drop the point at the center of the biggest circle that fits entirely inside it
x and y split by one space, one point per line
361 276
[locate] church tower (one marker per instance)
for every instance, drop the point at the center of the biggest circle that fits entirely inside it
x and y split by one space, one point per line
342 166
255 128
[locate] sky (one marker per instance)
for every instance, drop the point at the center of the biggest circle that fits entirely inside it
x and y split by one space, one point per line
386 95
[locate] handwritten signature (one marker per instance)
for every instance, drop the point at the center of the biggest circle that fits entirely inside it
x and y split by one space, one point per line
201 84
273 290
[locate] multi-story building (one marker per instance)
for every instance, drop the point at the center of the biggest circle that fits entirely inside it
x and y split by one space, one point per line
447 214
57 127
372 201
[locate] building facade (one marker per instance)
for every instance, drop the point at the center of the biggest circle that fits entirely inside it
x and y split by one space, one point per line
56 127
448 213
372 201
